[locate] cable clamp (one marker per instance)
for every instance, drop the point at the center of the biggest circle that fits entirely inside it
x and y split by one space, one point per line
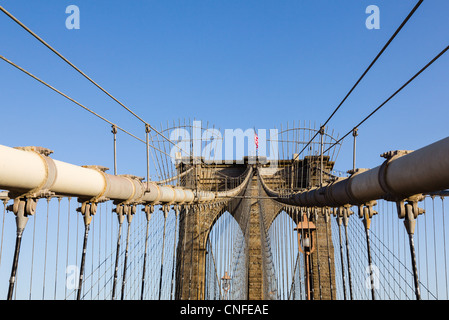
389 156
42 190
366 212
408 210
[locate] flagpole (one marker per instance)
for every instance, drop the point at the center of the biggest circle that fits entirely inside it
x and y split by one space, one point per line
256 141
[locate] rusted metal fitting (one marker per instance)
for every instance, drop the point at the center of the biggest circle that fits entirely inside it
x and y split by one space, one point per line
88 209
342 214
408 210
124 209
165 209
22 208
366 212
148 209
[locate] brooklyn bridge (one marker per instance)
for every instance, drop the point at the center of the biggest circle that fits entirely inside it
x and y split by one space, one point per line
276 218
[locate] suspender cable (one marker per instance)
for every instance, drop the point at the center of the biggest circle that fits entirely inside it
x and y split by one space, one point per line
22 208
148 211
174 252
129 219
326 220
114 132
165 211
444 244
5 201
57 246
15 263
354 134
147 132
83 260
121 217
345 223
366 222
45 254
339 220
315 211
32 256
87 210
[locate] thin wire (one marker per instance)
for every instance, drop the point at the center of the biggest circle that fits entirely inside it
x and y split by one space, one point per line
3 229
392 96
45 255
444 245
57 246
32 255
369 67
435 246
68 238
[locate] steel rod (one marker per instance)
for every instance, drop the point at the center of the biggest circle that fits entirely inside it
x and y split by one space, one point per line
144 260
117 255
83 261
126 261
15 264
414 267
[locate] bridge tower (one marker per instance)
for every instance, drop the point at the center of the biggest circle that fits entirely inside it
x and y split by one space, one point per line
254 211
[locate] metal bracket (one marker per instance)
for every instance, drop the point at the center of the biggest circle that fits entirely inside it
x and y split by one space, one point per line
88 209
366 212
166 209
148 209
343 213
348 185
326 213
22 208
410 211
123 209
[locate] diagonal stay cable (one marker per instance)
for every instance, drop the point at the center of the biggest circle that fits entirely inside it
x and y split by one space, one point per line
82 73
391 97
74 101
367 69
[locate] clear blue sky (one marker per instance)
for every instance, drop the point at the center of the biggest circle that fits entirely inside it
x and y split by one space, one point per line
236 64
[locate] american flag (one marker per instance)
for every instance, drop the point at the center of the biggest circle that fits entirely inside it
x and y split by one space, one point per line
256 139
